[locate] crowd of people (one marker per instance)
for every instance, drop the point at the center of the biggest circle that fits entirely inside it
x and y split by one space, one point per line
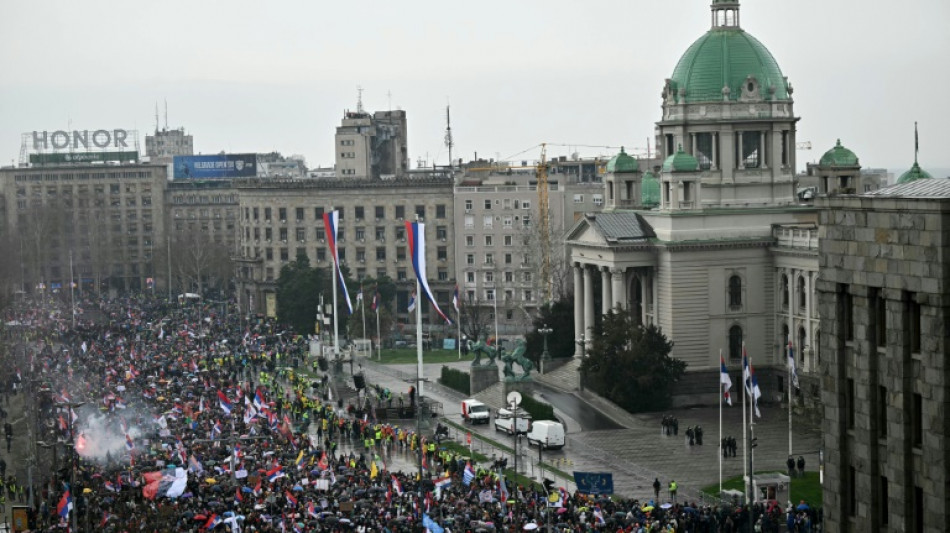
173 418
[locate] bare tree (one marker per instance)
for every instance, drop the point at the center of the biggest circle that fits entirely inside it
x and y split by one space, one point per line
199 262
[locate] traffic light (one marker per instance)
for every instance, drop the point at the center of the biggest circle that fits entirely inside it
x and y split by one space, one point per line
755 441
548 485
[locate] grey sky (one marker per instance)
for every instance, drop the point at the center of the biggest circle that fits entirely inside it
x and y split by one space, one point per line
253 76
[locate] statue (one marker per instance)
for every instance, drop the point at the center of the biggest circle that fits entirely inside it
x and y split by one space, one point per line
480 348
517 356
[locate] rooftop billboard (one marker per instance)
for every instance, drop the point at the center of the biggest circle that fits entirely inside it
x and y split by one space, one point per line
215 166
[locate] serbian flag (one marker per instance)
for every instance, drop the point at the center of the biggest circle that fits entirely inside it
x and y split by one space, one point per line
375 305
331 222
397 486
258 400
416 232
275 473
455 299
724 380
791 364
322 463
129 444
412 302
468 474
65 505
213 522
312 510
290 498
224 402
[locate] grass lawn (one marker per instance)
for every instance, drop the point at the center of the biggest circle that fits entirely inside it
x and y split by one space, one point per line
405 356
803 488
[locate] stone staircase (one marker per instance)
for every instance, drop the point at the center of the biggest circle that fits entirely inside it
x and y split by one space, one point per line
565 378
493 396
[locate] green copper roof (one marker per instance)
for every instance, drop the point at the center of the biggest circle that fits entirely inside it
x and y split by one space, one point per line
915 173
650 190
680 162
726 56
622 163
839 156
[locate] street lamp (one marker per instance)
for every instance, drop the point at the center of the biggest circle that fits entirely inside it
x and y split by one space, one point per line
545 356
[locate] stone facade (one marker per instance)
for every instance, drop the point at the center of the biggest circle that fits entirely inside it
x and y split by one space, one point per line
884 302
278 218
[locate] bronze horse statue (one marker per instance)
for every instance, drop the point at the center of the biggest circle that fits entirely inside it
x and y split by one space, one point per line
480 348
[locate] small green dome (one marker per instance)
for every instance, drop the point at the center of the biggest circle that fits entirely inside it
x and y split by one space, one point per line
622 163
915 173
726 57
839 156
650 190
680 162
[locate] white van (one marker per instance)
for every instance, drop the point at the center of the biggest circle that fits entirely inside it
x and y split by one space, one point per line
475 412
505 420
548 434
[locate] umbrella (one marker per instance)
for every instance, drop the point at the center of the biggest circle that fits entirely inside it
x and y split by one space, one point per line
689 510
297 488
802 506
530 526
210 480
646 508
666 505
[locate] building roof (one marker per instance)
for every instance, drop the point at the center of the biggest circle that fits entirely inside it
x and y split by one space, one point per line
724 57
925 188
680 162
650 190
915 173
621 226
839 156
622 163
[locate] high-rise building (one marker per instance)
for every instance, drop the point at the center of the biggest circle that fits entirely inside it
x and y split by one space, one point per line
163 145
372 145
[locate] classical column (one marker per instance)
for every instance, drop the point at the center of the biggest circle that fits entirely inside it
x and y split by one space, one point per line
606 301
578 309
714 156
762 162
588 305
618 283
740 162
806 364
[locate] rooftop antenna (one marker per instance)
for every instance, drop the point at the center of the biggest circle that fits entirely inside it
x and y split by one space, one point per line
359 99
156 117
916 143
166 114
389 95
449 143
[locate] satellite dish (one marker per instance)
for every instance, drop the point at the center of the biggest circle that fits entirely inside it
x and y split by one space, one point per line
514 397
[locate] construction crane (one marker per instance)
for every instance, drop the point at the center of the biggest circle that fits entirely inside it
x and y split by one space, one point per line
544 214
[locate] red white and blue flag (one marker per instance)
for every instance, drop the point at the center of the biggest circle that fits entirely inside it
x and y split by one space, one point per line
129 444
258 399
397 486
275 473
213 522
725 381
751 383
224 402
65 505
455 299
417 250
331 222
375 305
290 498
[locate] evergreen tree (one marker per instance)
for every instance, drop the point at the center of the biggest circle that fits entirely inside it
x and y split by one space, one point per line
298 293
559 317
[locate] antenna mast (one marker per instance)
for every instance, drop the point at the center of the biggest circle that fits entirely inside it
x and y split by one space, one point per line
166 114
156 117
359 99
449 143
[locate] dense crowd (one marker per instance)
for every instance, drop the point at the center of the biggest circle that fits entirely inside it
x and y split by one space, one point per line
170 418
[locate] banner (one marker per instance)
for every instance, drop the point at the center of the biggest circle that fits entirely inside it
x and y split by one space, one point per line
215 166
82 157
594 482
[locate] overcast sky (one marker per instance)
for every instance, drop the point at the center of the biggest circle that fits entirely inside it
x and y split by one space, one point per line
247 76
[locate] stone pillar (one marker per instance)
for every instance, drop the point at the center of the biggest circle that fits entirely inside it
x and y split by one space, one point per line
714 156
763 163
618 283
588 306
806 364
578 308
740 161
606 301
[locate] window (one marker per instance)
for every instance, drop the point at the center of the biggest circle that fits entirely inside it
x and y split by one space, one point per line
301 234
881 411
380 232
802 293
359 212
846 303
441 232
784 291
852 491
507 240
282 213
489 241
469 240
470 277
443 274
469 259
489 277
440 211
361 255
401 233
321 254
735 343
507 221
442 253
526 277
913 317
509 314
421 212
880 317
489 259
268 234
735 292
598 199
508 259
299 213
509 276
468 206
380 212
487 221
401 274
528 296
526 220
490 295
469 221
283 234
578 198
487 204
380 253
341 252
917 421
850 401
318 213
284 254
400 253
525 204
269 254
400 212
360 233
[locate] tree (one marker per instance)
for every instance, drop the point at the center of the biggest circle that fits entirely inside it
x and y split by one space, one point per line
476 318
630 364
298 293
559 317
199 262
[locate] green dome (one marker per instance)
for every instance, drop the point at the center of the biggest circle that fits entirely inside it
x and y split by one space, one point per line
650 190
839 156
680 162
726 57
915 173
622 162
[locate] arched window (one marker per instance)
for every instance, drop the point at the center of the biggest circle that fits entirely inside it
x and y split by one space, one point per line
784 291
817 346
802 299
735 292
801 345
735 343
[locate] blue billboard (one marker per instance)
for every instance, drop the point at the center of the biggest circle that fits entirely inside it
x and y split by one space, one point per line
215 166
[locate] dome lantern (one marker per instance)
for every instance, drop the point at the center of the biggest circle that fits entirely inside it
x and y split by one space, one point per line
725 14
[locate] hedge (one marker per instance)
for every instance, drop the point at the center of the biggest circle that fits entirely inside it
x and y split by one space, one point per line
537 409
455 379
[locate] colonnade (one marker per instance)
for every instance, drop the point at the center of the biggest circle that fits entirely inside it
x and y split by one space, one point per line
623 287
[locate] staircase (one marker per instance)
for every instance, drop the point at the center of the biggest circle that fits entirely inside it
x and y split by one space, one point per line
565 378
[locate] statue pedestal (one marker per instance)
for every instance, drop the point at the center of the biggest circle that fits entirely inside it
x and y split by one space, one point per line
526 388
481 377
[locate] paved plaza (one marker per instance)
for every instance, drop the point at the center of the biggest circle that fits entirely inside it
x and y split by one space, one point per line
639 452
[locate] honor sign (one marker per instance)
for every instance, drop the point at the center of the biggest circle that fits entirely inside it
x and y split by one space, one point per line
91 140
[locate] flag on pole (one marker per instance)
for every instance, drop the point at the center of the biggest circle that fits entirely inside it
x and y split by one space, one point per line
455 299
412 302
791 364
359 295
751 383
224 402
468 474
725 380
65 505
415 232
375 305
331 222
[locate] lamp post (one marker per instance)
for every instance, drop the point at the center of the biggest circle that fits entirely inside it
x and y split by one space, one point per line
545 356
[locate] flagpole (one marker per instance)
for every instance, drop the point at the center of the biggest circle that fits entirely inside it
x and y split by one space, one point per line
459 324
379 340
720 427
363 314
788 368
745 428
336 327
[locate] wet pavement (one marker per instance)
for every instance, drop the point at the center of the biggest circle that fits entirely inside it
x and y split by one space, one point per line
583 413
